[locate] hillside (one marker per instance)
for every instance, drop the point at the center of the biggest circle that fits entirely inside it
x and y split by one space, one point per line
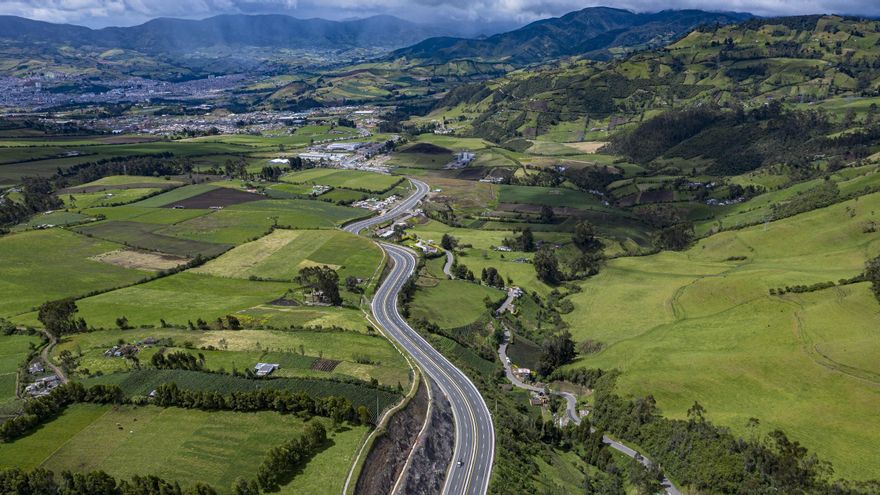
796 60
595 32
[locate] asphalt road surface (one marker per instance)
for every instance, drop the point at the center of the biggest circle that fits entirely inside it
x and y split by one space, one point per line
474 451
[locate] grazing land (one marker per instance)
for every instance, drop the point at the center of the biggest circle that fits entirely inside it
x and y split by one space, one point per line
184 445
346 179
38 267
706 319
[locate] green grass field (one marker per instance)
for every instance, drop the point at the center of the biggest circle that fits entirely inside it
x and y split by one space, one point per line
708 330
241 223
38 266
178 444
152 237
281 255
117 197
348 179
241 349
13 350
452 303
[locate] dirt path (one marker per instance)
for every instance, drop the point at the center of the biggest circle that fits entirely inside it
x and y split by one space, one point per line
44 355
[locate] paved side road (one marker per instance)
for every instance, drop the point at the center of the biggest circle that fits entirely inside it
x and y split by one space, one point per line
474 450
571 411
450 260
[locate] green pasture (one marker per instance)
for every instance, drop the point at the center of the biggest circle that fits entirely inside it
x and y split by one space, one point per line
452 303
707 329
349 179
39 267
225 350
281 255
183 445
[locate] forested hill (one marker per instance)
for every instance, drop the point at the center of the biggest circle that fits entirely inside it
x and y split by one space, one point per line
595 32
801 60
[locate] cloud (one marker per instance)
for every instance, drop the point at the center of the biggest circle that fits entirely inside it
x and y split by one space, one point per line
127 12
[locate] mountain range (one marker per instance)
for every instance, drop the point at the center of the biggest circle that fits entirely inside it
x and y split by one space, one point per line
168 36
594 32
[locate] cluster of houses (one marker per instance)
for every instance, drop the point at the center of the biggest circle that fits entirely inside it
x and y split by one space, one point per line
41 386
319 189
122 351
376 204
128 350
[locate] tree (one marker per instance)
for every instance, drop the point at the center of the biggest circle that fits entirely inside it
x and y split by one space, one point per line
242 486
872 274
448 242
547 215
584 237
351 284
122 323
492 278
547 266
557 350
675 237
324 281
58 318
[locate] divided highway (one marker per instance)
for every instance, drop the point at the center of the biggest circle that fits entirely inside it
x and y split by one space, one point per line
474 453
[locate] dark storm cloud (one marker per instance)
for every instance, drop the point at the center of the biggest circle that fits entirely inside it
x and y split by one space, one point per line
126 12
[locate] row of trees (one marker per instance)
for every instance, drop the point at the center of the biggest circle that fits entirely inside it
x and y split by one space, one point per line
281 462
283 401
178 360
41 409
43 482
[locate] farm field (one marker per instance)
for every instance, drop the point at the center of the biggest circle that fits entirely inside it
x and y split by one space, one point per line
118 197
36 263
347 179
281 254
13 350
358 355
435 300
177 444
708 330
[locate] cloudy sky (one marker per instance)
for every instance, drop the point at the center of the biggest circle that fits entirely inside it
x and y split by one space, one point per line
99 13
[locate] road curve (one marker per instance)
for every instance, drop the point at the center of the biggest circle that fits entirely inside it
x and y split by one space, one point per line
474 432
571 411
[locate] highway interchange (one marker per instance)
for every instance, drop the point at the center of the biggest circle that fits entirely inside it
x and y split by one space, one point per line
474 451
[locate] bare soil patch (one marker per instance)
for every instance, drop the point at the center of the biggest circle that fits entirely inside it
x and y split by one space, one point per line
327 365
220 197
140 260
588 146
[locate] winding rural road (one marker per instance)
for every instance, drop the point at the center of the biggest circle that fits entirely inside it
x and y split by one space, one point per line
474 452
450 260
572 412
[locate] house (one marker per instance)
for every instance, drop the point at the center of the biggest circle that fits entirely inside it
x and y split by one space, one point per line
265 369
538 399
42 386
503 249
280 161
522 373
36 368
426 247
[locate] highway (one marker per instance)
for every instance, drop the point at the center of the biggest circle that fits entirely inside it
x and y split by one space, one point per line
474 432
